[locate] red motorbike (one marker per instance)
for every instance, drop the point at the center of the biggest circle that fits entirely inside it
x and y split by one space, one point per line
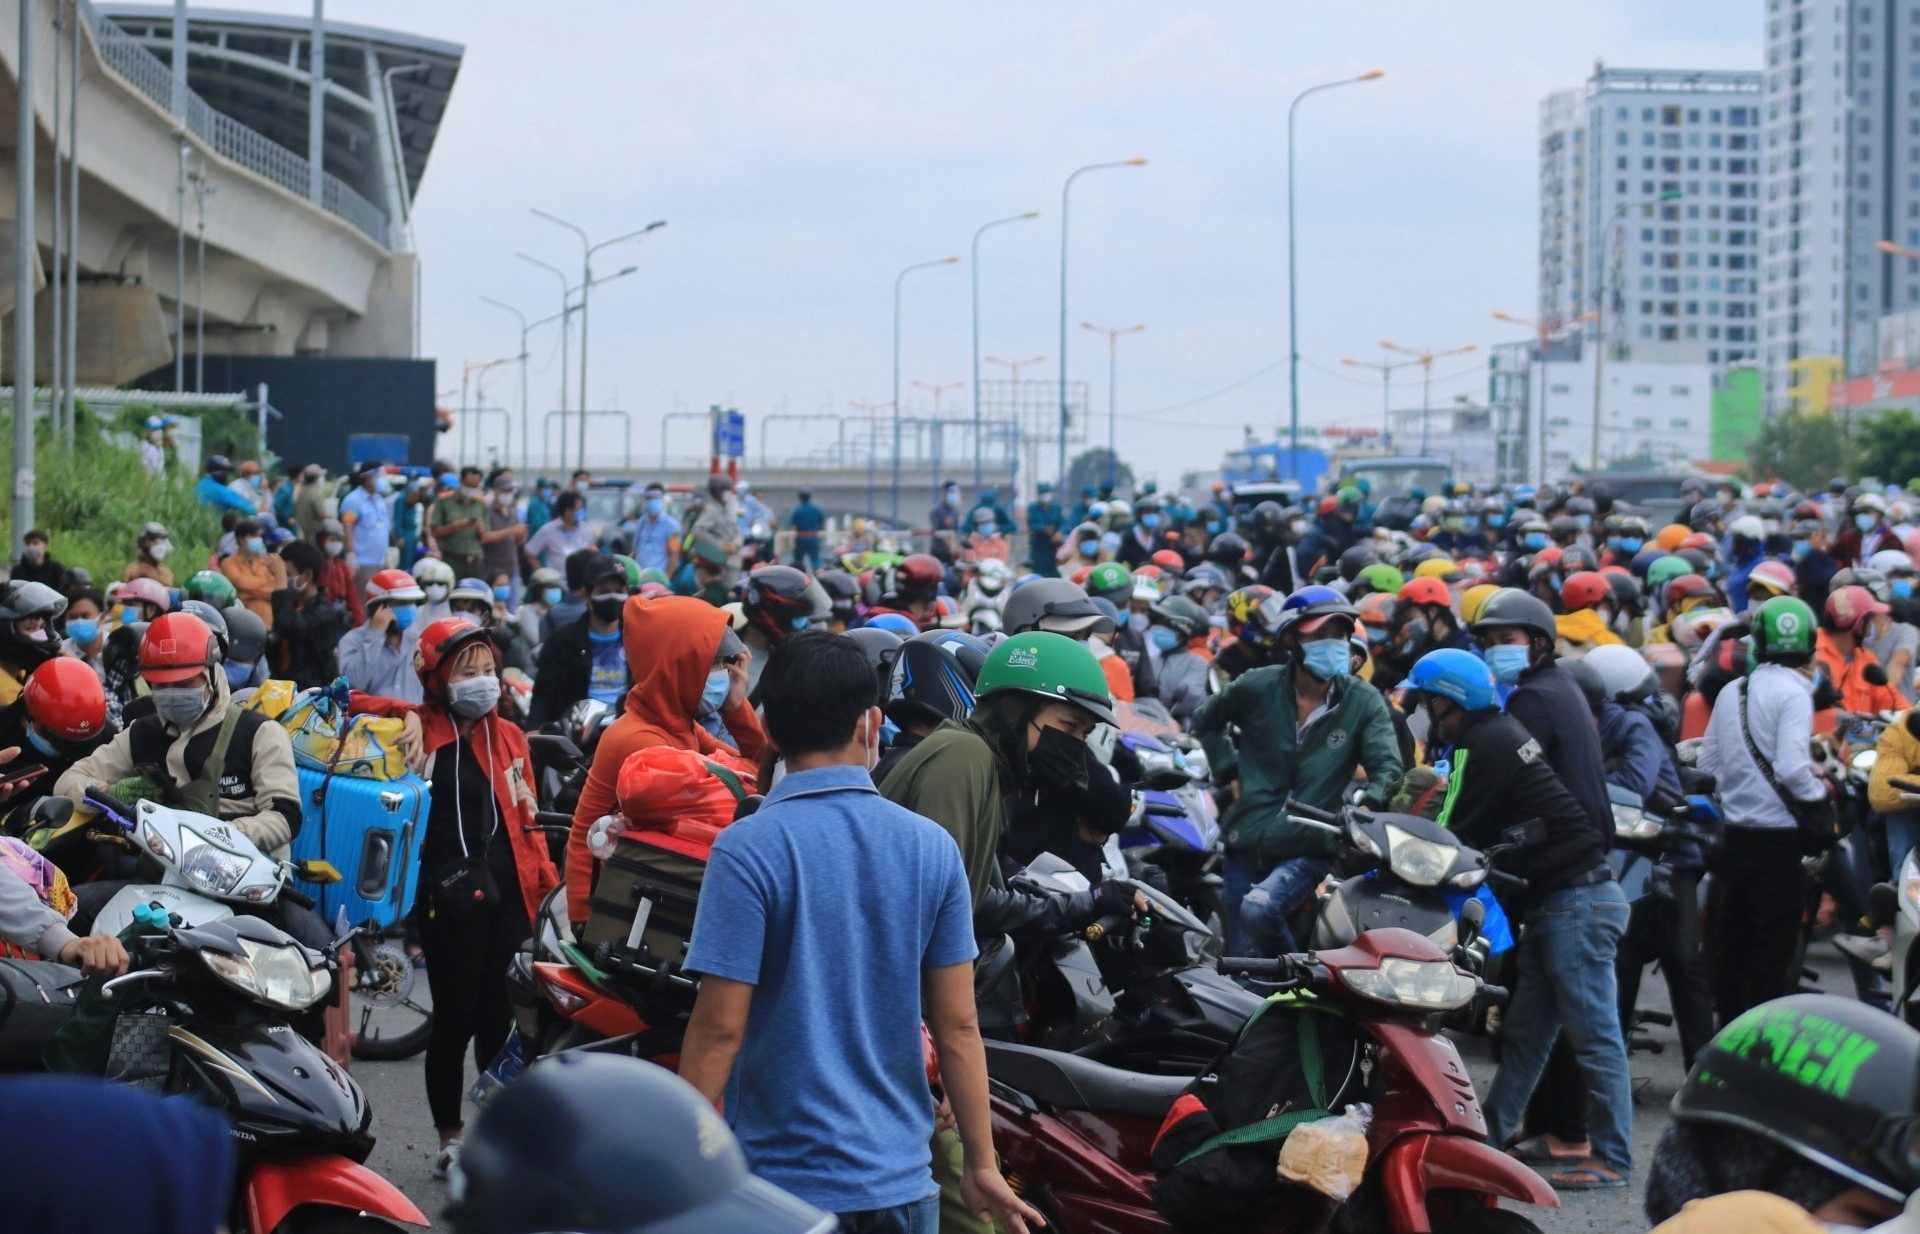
1077 1137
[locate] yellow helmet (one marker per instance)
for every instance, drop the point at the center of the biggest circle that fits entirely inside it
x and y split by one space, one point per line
1472 598
1437 567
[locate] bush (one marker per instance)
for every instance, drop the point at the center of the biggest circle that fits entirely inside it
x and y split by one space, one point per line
92 504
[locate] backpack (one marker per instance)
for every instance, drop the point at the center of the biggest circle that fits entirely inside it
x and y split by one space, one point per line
1294 1061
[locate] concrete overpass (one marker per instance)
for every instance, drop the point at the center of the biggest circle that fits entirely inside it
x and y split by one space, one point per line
295 264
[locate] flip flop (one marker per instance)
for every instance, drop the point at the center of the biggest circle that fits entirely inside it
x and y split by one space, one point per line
1588 1175
1536 1151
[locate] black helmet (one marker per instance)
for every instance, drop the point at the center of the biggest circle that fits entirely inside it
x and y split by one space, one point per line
1182 616
609 1145
1268 518
1577 557
1590 682
1627 594
219 465
246 634
933 677
780 601
1830 1079
1510 606
1355 559
843 592
1564 527
22 598
1229 549
881 647
215 619
1054 604
1705 515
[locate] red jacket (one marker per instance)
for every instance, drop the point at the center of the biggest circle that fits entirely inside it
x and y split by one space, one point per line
502 749
336 584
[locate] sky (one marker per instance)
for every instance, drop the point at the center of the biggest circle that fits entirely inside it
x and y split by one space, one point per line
803 154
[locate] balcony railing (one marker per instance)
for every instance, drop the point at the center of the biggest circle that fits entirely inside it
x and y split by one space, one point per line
229 138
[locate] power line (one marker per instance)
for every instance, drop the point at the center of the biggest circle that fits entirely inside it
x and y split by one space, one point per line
1262 372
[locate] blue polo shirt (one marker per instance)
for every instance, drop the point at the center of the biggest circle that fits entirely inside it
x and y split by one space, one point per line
830 901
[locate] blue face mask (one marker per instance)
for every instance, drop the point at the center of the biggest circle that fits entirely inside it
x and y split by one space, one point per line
1163 638
1557 582
83 632
1496 520
1800 549
1902 587
502 593
1627 544
129 614
255 545
240 676
1215 528
552 596
1110 541
1534 541
1150 521
1585 520
719 682
889 732
1089 548
800 623
1865 522
402 616
40 743
655 507
1327 658
1508 662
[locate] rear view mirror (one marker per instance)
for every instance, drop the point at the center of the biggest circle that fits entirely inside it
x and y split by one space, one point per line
1473 915
53 812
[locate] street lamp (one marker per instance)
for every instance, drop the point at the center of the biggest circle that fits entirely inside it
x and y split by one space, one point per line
897 280
1544 329
566 340
1065 192
587 250
1113 334
1293 310
977 429
1425 360
526 438
1386 369
937 430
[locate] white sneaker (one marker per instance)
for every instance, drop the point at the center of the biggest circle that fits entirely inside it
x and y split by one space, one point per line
1871 949
443 1163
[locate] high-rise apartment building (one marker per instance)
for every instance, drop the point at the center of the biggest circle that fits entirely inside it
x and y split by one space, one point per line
1650 213
1842 174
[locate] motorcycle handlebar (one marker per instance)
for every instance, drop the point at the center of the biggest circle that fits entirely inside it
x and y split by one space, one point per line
1112 923
107 803
1254 966
1309 812
300 898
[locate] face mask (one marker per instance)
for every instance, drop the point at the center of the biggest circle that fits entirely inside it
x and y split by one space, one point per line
333 548
240 676
655 507
159 550
607 608
1327 658
1534 541
1800 549
129 615
1865 522
1585 520
1216 527
1508 662
402 616
1166 640
1058 760
1137 622
383 486
503 593
180 706
474 697
38 636
1631 545
41 744
470 491
551 596
1378 634
1557 582
800 623
1089 548
581 486
1902 587
1150 521
1420 724
436 592
889 733
1496 520
253 546
714 693
84 632
1110 542
33 552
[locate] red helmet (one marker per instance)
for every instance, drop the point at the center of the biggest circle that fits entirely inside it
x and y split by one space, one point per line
65 698
1702 541
176 647
443 641
1687 586
781 600
1426 590
1584 589
919 575
394 585
1167 559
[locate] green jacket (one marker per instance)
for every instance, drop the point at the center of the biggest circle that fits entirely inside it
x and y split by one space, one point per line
955 779
1273 762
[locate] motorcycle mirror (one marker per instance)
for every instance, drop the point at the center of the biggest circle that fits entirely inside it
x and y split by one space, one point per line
52 811
1883 904
1473 915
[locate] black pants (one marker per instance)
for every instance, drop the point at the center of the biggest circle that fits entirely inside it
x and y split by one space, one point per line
467 958
1754 912
1669 931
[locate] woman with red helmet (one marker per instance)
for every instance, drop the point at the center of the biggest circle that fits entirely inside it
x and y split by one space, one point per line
482 868
1581 624
59 718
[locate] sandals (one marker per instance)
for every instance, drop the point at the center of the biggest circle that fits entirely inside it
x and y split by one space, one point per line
1588 1175
1537 1152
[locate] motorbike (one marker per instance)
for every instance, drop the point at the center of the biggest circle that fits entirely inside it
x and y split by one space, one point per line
1173 834
1076 1135
206 1012
1647 836
1897 904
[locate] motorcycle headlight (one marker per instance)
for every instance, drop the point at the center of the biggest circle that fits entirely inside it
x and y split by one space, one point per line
275 975
1423 863
1469 878
1196 761
209 867
1633 823
1418 985
1155 762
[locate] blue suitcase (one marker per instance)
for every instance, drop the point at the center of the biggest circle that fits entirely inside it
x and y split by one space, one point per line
371 831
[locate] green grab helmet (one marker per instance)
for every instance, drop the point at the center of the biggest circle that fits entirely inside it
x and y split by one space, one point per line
1664 570
1052 666
632 570
1783 626
1108 578
1382 577
212 587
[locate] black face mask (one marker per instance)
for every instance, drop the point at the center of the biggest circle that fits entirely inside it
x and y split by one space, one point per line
606 609
1057 762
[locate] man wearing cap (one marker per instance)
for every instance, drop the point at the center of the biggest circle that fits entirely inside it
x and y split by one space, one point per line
585 658
709 572
500 543
150 556
718 523
458 519
310 505
367 514
1045 523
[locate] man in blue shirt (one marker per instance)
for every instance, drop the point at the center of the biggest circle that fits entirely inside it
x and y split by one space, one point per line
212 489
1045 521
368 515
830 922
806 520
656 534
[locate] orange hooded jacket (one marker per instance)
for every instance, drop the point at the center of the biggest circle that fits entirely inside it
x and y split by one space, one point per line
1848 675
670 644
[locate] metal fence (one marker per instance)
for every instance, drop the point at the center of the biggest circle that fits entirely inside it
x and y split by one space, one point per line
232 140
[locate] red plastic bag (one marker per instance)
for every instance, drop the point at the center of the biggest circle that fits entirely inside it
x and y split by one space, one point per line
662 788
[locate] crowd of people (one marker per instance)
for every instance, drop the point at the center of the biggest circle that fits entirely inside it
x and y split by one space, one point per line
917 707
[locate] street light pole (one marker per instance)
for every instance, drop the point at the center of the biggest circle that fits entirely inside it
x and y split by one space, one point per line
1425 360
566 346
1600 299
1066 191
872 454
1544 329
977 427
526 414
1386 369
898 279
1113 334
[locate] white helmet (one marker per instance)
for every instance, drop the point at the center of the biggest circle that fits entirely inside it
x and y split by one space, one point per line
430 570
1624 672
1748 527
1890 561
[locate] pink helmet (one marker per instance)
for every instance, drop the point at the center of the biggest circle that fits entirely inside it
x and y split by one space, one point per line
145 591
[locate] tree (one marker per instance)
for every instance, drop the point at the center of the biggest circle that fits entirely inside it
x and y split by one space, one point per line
1090 467
1804 450
1888 446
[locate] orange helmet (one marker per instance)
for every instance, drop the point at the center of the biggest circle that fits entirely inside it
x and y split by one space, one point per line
177 647
1376 608
1584 589
65 697
1167 559
1427 590
1670 536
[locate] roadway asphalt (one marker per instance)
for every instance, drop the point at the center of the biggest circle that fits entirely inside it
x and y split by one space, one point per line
407 1143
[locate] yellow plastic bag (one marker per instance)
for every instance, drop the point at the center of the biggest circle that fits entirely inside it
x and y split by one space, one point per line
272 699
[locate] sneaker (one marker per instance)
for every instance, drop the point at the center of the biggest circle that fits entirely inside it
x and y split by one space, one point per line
1871 950
443 1162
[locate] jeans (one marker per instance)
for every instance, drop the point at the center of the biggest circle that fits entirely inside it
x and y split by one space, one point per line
1903 836
1236 881
806 552
1566 983
919 1217
1267 905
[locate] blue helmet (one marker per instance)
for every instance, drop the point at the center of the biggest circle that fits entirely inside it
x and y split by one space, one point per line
894 623
1279 613
1457 675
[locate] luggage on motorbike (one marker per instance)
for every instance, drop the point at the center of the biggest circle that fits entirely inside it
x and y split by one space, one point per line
325 738
1293 1062
662 788
370 831
36 997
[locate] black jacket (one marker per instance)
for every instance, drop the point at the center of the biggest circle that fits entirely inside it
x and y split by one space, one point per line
1549 705
1501 780
306 638
566 673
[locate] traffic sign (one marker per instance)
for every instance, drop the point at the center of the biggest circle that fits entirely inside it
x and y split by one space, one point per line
729 433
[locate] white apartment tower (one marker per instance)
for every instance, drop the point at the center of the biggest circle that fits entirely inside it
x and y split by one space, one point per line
1842 175
1650 213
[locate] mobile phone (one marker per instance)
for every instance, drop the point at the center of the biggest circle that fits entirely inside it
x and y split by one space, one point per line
11 775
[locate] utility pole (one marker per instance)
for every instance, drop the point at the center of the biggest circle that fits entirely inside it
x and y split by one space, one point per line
1425 360
1113 384
23 259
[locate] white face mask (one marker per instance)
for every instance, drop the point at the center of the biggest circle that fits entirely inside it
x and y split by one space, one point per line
160 549
435 591
334 548
1419 724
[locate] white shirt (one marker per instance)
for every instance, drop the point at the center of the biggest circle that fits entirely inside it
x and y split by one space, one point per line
1780 713
554 543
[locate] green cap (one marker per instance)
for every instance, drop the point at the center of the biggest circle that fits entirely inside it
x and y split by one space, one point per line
632 569
1049 665
1664 570
1783 626
708 551
211 586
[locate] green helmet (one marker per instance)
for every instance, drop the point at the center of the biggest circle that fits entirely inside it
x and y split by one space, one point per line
1049 665
1664 570
1783 626
212 587
1182 616
1382 577
652 576
1109 578
632 569
1827 1078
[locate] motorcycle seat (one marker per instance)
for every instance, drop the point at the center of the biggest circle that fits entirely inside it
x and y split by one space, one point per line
1070 1082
